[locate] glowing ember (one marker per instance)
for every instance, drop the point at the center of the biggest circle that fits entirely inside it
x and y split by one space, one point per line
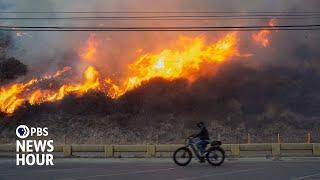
262 37
19 34
22 34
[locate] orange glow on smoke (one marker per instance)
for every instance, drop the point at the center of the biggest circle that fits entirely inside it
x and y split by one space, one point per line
262 37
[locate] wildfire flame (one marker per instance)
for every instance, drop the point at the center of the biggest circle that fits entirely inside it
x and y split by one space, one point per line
9 99
262 37
89 53
91 81
182 62
185 60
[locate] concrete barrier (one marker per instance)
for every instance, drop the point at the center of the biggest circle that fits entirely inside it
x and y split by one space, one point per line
151 150
235 150
130 148
87 148
296 146
276 150
316 149
7 147
255 147
108 151
67 150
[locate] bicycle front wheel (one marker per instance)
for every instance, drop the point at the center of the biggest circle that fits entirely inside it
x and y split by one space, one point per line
182 156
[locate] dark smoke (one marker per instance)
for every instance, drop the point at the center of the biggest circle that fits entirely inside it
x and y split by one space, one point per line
10 69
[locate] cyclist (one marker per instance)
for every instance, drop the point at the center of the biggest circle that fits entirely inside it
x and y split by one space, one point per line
203 136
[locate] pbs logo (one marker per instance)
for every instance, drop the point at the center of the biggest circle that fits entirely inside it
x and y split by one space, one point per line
22 131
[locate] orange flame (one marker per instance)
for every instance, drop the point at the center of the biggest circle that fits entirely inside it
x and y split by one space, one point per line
89 53
262 37
184 61
9 99
57 74
15 95
91 82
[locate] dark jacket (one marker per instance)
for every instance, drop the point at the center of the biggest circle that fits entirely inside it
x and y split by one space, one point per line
203 134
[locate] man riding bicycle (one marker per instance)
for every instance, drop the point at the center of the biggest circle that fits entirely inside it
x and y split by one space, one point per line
214 154
203 136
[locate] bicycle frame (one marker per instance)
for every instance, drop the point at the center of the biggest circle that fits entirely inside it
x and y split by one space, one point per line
192 145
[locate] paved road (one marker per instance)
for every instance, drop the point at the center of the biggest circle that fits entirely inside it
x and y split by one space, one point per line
78 169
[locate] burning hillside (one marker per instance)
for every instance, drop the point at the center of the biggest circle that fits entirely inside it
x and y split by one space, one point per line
191 58
185 61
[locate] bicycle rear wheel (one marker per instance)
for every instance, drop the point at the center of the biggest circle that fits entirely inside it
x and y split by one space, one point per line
215 156
182 156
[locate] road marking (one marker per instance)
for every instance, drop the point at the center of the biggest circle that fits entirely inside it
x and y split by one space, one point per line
304 177
226 173
118 174
38 171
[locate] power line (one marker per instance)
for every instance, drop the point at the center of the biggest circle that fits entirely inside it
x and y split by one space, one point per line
134 19
163 27
159 12
194 28
167 19
159 17
158 30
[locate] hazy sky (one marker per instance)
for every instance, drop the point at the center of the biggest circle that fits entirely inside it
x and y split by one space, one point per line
168 5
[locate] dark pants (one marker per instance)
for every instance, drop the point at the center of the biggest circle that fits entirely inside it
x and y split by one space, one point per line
202 144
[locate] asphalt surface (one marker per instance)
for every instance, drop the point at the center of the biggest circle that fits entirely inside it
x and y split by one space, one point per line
162 169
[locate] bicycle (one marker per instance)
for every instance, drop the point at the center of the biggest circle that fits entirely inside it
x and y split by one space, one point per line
215 155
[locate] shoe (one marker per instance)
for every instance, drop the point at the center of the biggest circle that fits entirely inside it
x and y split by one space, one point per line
203 154
201 160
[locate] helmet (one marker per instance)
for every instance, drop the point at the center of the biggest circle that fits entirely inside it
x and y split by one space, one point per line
200 124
